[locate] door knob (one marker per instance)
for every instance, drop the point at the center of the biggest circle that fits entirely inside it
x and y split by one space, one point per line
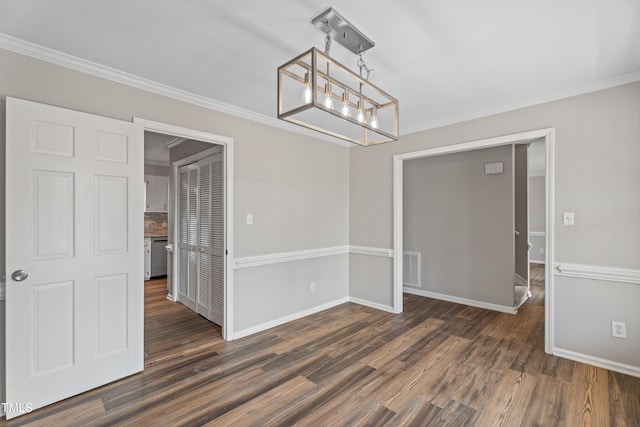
19 275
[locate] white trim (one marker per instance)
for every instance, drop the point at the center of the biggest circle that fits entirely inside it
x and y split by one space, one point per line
398 163
295 316
537 234
156 163
611 365
459 300
276 258
280 257
474 145
33 50
371 251
535 261
170 297
195 157
598 272
511 106
3 291
59 58
175 142
182 132
227 142
549 241
519 280
371 304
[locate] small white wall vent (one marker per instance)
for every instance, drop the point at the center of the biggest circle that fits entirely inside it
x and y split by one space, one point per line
411 270
493 168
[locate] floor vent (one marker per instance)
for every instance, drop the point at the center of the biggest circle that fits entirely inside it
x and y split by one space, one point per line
411 269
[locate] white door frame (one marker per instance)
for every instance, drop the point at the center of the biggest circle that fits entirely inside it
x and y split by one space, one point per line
227 143
398 164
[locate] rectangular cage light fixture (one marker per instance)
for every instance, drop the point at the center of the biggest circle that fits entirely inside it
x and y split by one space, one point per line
320 93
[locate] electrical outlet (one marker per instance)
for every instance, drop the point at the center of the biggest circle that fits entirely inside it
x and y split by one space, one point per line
541 250
618 329
312 287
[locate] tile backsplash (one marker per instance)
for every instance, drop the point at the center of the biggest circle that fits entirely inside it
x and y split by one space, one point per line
155 224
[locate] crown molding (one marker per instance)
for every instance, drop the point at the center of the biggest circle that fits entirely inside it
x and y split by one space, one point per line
46 54
529 102
36 51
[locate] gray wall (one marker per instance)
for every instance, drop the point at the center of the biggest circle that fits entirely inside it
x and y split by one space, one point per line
537 208
520 210
596 176
296 186
461 221
156 170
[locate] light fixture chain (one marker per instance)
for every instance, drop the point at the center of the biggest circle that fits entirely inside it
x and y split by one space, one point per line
363 65
327 39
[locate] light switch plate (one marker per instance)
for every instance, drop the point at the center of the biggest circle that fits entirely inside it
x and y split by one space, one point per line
249 219
568 218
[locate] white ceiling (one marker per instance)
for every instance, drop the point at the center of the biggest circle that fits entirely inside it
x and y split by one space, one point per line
446 61
155 148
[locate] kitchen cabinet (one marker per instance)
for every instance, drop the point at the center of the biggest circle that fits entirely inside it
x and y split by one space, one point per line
156 193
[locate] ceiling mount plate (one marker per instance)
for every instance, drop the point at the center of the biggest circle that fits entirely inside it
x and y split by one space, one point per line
343 31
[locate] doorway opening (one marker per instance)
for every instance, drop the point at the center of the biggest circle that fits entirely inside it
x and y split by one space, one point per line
545 135
189 147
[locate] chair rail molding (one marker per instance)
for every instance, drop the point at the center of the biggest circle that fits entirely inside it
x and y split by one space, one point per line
367 250
280 257
598 272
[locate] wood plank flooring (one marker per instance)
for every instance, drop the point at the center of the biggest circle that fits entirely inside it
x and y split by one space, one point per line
438 363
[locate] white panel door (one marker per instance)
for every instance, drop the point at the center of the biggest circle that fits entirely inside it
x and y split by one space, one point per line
74 225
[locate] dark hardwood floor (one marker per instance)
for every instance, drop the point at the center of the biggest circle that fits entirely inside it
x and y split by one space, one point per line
438 363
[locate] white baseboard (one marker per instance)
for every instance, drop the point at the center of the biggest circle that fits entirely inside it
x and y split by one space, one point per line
535 261
371 304
281 321
459 300
170 297
611 365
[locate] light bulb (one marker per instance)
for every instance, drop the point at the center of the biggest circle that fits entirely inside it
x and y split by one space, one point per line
345 105
374 117
328 101
360 112
307 95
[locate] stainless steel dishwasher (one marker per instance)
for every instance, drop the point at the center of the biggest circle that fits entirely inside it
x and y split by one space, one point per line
158 256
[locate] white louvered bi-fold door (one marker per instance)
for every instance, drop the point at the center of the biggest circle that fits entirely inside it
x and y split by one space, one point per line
201 237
